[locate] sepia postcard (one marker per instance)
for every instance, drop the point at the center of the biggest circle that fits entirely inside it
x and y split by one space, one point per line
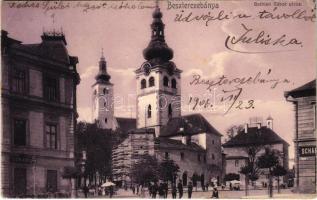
158 99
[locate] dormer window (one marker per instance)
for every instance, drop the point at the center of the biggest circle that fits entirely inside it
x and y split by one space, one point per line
143 84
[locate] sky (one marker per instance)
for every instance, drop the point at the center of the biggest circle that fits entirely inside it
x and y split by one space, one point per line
198 50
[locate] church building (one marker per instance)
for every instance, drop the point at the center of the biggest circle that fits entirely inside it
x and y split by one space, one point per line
160 129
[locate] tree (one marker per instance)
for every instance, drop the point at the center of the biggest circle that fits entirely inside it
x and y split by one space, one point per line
98 144
268 160
278 171
233 130
231 177
168 170
251 170
145 170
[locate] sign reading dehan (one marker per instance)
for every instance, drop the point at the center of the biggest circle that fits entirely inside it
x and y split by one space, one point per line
307 151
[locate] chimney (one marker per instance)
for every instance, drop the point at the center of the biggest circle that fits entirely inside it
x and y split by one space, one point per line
246 128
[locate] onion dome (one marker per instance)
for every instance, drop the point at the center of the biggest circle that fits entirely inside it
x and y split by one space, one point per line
102 76
157 48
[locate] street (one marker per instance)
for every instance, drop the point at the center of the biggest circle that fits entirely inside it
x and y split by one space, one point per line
227 194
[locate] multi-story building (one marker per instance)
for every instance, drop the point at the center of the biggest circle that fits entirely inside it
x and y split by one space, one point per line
260 137
304 100
38 115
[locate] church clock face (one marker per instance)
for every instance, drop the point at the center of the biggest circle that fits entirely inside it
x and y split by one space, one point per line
147 68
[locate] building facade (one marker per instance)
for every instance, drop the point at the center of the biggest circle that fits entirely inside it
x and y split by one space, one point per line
191 141
38 115
304 101
236 149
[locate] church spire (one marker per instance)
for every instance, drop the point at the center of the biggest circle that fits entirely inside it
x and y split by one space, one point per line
157 48
102 76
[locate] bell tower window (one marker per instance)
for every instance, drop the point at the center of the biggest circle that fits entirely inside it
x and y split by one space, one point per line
165 81
149 111
105 91
151 81
143 84
173 83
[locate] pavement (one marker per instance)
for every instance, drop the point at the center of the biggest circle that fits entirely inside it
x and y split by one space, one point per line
223 194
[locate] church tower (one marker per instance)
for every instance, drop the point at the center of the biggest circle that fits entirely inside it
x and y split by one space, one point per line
158 81
102 97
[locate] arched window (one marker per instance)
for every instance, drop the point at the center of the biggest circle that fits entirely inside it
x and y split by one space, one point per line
173 83
149 111
143 83
165 81
105 91
170 111
151 81
106 120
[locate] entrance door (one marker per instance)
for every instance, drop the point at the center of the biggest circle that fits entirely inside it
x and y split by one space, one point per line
19 181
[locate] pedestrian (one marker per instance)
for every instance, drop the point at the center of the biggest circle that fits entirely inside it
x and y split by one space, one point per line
174 191
230 186
137 189
207 185
165 189
180 189
155 190
215 193
86 190
190 189
142 191
133 189
161 191
111 191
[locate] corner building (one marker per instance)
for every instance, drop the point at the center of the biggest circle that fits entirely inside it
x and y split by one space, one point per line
38 115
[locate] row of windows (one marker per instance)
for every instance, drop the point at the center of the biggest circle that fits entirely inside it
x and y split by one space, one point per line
182 156
149 111
104 91
166 82
20 181
50 85
20 134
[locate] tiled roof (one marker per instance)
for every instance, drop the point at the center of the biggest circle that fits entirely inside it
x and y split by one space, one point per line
255 136
126 124
167 143
308 89
188 125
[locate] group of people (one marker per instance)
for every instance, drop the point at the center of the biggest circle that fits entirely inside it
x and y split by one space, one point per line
161 190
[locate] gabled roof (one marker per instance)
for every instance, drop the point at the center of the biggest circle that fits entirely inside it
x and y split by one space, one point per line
255 136
167 143
308 89
188 125
126 124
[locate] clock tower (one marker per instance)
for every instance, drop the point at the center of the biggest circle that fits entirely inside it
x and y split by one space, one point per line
158 81
102 97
